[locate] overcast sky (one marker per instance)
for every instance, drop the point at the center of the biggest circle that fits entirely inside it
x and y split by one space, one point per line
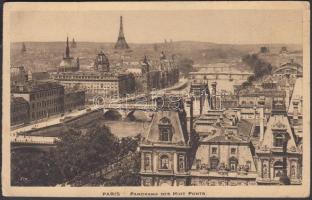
218 26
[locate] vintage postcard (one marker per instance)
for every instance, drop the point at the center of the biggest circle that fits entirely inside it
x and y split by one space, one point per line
156 99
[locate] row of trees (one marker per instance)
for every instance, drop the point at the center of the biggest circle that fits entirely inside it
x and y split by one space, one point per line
77 154
258 66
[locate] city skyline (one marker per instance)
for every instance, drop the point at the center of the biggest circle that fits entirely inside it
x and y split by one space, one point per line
251 26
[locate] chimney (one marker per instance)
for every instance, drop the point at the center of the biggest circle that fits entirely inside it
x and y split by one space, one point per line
287 97
261 110
295 112
191 115
214 95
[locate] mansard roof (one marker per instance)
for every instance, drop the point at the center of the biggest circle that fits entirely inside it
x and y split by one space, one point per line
178 128
278 123
297 94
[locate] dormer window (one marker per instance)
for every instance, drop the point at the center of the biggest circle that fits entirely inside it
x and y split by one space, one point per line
165 129
278 140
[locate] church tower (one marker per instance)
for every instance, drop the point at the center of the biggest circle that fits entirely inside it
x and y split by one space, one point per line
73 44
67 50
121 41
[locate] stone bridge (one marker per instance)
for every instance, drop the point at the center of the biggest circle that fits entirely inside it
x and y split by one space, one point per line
126 110
220 75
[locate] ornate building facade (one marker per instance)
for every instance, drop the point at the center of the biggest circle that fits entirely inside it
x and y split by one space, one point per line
277 153
166 146
104 84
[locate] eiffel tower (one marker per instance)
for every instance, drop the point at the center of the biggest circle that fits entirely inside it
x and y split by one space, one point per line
121 41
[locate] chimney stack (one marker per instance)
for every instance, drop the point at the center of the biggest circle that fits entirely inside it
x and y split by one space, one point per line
295 112
214 95
261 110
287 97
191 115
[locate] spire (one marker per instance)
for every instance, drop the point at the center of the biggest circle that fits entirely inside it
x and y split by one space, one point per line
121 41
73 44
121 34
67 49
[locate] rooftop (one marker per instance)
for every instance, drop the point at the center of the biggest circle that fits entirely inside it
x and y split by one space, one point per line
18 100
36 87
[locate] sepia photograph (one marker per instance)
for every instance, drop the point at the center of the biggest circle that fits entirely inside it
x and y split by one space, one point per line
156 99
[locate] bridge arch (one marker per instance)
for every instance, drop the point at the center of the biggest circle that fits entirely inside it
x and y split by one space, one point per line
138 115
113 114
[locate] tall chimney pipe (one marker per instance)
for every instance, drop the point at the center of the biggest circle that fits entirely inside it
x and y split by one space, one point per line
295 112
261 110
191 115
214 95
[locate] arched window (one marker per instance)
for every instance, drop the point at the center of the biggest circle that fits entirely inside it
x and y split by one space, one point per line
165 129
233 163
243 102
278 140
214 162
278 169
164 162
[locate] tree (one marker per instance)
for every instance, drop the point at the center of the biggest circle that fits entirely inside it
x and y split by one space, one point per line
78 153
34 169
259 67
128 177
185 65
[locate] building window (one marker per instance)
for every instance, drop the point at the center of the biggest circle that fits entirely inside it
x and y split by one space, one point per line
233 151
164 162
198 163
214 161
233 163
248 164
278 140
147 162
265 171
243 102
293 171
278 169
214 150
165 130
181 162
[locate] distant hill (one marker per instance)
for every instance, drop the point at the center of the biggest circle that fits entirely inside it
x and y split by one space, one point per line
41 56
